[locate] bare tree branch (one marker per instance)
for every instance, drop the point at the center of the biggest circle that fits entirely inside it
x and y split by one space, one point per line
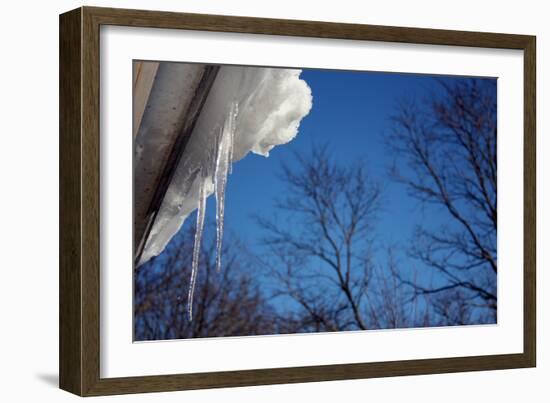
449 146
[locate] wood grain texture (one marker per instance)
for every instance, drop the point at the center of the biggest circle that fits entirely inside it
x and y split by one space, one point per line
530 203
70 315
90 202
315 29
79 201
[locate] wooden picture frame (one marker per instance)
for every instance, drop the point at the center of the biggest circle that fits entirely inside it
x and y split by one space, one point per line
79 346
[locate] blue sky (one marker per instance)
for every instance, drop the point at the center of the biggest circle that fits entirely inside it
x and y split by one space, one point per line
351 113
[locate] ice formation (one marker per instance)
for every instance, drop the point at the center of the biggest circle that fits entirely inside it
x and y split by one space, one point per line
197 246
248 109
223 168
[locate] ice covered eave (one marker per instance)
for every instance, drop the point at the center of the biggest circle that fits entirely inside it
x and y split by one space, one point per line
168 111
248 109
241 110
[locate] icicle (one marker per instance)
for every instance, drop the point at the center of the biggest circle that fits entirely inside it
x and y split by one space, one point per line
197 246
223 168
221 157
271 103
234 113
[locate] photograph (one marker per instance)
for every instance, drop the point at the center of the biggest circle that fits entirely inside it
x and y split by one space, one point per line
250 200
286 200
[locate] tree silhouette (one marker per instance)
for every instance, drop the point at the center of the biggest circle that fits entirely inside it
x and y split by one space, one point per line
227 303
449 145
321 256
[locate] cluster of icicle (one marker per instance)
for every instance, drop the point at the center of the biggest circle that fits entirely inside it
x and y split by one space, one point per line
222 162
248 110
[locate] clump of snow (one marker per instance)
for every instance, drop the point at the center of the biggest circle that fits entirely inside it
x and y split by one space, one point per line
249 109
